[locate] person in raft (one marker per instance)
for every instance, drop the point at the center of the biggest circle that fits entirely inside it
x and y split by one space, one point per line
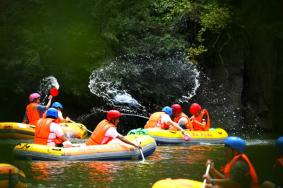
163 120
200 119
277 168
106 131
59 107
48 132
34 110
180 117
238 172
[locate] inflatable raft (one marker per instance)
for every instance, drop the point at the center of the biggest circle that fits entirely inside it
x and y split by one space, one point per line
13 130
10 176
213 136
177 183
114 150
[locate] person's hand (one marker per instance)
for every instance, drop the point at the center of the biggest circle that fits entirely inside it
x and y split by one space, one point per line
68 119
207 177
50 97
209 161
67 144
138 147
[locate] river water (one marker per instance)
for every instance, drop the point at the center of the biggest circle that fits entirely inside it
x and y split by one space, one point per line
166 162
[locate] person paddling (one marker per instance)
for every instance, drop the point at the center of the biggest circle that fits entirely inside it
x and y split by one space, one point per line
106 131
277 168
163 120
34 110
180 117
238 172
200 119
48 132
59 107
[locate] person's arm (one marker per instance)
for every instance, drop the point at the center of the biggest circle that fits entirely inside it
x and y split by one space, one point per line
61 117
219 182
66 143
183 122
122 138
170 122
202 124
49 101
215 173
215 183
60 134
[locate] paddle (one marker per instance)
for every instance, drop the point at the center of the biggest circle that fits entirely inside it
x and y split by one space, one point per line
143 159
82 126
54 91
187 137
206 173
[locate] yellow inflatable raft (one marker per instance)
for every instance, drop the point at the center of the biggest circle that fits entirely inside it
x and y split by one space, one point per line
161 136
10 176
13 130
177 183
114 150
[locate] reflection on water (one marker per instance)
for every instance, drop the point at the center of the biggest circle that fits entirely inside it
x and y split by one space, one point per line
166 162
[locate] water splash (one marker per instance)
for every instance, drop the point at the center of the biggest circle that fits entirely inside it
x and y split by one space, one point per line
46 84
154 81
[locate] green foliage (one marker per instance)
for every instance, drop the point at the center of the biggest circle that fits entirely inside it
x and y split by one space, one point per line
214 17
70 38
166 26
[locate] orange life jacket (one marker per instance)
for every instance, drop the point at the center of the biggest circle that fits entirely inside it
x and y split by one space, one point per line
42 131
155 121
280 161
199 118
252 171
181 115
99 132
32 113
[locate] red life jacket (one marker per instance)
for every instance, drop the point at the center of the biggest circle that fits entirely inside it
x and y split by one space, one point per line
252 171
199 119
99 132
155 121
32 113
181 115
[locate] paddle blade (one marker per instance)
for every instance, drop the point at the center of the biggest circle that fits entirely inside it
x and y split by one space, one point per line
187 137
54 91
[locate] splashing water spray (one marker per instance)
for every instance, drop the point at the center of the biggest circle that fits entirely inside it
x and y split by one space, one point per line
46 84
117 82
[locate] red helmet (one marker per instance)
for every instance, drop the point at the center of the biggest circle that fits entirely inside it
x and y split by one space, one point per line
176 108
194 108
112 114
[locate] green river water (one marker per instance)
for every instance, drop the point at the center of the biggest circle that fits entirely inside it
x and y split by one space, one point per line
166 162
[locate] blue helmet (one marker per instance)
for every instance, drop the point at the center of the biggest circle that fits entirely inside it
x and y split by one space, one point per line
236 143
167 110
279 144
57 105
52 112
